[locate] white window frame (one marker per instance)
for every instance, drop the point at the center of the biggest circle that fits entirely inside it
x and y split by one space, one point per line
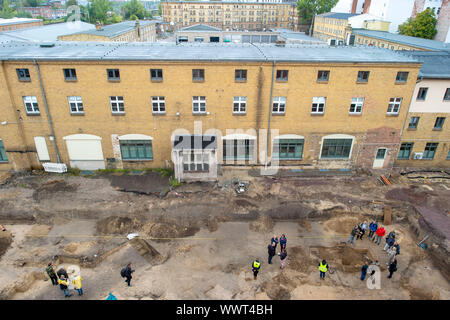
197 102
78 104
201 157
114 103
279 101
241 103
355 104
32 101
160 102
392 104
316 102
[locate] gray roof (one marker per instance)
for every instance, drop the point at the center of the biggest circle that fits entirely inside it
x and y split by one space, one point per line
200 27
145 51
337 15
12 21
436 65
294 35
46 33
401 39
116 29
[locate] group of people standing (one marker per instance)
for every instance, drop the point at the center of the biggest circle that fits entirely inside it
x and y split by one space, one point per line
376 233
62 278
271 250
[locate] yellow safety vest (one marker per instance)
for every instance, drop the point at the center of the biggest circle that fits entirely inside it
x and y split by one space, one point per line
323 268
256 264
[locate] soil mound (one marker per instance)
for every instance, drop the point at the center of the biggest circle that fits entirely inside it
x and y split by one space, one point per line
342 225
118 225
48 190
262 224
344 258
298 259
5 241
163 231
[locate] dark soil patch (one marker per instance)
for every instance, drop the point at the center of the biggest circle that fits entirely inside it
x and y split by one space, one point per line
5 241
286 211
304 224
244 203
343 258
48 190
262 224
150 183
165 231
411 195
299 260
118 225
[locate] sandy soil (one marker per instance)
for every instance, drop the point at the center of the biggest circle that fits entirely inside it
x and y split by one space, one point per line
198 241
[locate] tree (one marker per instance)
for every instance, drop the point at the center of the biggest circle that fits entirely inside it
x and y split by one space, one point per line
71 3
32 3
7 12
159 9
308 9
98 10
135 8
423 26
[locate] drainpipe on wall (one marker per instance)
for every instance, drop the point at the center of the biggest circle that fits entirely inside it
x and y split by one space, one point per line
48 113
270 113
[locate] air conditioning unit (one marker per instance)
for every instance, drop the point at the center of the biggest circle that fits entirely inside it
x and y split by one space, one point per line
331 42
418 155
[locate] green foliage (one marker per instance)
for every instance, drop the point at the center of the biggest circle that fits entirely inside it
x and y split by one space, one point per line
74 171
174 182
98 11
134 9
159 9
7 12
307 9
32 3
423 26
71 3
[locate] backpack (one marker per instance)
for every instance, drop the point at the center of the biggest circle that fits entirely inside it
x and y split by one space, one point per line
122 273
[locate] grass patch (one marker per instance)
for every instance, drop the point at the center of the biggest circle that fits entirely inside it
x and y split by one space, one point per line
74 171
113 170
165 172
174 182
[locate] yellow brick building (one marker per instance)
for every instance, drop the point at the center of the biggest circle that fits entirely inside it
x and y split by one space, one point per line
19 24
127 31
145 105
332 25
231 15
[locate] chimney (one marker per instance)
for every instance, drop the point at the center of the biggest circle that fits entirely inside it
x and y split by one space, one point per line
354 6
366 6
98 26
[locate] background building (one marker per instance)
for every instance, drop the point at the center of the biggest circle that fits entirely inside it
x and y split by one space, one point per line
231 15
19 24
426 134
127 31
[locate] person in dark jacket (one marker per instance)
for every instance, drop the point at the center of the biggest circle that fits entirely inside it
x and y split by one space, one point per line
271 251
62 272
274 240
283 258
390 240
362 230
397 247
128 272
51 273
256 266
364 271
353 234
392 268
283 241
372 228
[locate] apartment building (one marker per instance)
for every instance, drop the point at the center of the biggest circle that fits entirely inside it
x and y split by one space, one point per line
127 31
231 15
426 133
19 24
202 107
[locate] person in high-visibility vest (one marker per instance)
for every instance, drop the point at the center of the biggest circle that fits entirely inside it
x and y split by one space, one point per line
256 266
323 267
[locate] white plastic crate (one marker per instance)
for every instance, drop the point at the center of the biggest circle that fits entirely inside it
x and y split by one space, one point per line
55 167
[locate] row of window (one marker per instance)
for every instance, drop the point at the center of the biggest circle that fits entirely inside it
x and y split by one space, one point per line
438 124
428 153
199 75
422 94
199 105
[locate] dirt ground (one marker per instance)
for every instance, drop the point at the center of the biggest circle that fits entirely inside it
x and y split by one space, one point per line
197 241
